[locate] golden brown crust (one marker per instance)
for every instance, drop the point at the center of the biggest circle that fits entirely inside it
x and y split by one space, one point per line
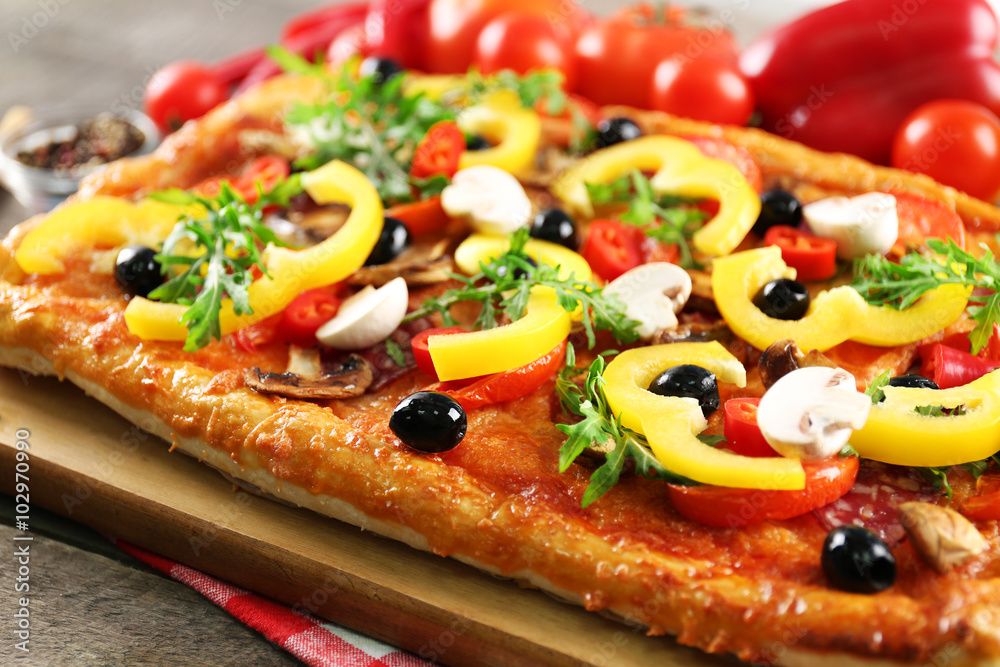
498 501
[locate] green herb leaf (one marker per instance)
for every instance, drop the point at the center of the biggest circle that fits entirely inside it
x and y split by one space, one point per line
227 242
667 218
536 86
599 425
395 352
376 127
874 390
884 283
504 285
294 63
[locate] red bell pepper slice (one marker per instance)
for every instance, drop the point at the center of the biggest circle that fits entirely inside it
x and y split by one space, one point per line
949 367
305 314
740 428
813 257
421 352
439 151
991 351
612 248
727 507
985 505
421 217
510 385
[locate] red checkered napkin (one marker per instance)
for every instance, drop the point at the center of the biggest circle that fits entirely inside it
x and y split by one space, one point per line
306 637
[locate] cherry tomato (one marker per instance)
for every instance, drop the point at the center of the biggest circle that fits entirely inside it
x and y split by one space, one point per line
705 88
181 91
734 508
741 429
510 385
455 26
251 338
612 248
305 314
439 151
956 142
985 505
421 217
921 219
421 353
266 171
524 41
813 257
617 56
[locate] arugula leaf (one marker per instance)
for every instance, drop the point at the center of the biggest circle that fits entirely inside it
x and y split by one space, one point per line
373 125
874 390
226 245
599 426
293 62
395 352
667 218
540 85
884 283
504 285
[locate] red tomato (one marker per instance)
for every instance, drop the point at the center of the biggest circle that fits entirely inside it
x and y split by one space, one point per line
455 26
727 507
398 29
524 41
267 171
439 151
305 314
985 505
812 257
705 88
612 248
956 142
421 217
510 385
181 91
421 353
250 338
740 428
617 56
921 219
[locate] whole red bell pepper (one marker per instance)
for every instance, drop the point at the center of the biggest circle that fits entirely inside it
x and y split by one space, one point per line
843 78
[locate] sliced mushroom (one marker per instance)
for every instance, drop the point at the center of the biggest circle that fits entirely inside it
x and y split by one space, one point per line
367 317
943 537
653 294
862 225
783 356
419 265
304 377
492 199
810 413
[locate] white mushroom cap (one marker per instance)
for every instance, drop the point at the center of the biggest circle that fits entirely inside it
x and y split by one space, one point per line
367 317
492 199
862 225
810 413
653 294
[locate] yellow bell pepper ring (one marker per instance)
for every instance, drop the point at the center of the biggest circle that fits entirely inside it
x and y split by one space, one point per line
100 221
834 315
501 118
681 169
291 271
545 324
670 423
478 248
896 433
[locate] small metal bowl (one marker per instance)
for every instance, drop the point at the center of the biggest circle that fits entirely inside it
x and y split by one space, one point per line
41 189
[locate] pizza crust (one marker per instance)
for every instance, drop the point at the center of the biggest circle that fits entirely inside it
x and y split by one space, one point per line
318 458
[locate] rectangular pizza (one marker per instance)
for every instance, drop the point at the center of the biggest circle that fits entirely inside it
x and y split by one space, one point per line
571 346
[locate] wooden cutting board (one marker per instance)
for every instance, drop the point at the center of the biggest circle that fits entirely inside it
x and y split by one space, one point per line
89 464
